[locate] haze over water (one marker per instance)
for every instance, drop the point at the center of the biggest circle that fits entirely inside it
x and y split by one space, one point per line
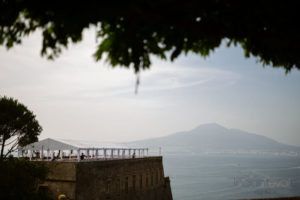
212 162
232 176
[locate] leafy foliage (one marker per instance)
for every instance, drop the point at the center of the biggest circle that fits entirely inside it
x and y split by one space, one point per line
20 179
131 31
18 126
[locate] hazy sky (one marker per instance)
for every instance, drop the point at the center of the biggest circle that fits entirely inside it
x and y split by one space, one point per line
74 97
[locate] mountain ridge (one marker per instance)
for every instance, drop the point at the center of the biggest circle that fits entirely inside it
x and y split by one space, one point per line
215 138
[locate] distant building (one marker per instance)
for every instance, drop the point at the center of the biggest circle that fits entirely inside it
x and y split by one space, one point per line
84 171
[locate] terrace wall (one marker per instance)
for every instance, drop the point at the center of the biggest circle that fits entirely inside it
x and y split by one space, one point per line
139 178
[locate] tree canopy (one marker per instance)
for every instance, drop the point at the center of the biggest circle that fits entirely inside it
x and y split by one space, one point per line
131 31
20 179
18 126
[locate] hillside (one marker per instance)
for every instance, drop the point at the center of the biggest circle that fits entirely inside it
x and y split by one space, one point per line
213 138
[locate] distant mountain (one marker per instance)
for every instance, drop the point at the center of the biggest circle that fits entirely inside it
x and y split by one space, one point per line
213 138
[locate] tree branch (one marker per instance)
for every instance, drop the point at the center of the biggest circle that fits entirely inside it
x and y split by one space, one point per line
11 149
17 138
2 148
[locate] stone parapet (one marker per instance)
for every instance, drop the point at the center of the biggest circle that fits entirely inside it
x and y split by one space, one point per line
136 178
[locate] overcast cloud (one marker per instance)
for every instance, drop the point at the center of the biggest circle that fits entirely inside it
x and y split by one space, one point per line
76 98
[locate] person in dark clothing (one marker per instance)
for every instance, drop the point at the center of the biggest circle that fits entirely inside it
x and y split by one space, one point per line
82 156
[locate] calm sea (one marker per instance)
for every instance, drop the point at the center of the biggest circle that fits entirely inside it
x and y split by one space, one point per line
232 177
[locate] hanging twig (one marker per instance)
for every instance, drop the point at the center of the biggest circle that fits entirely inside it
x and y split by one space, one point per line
137 83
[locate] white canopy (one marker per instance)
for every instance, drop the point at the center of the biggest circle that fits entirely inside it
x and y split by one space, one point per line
92 149
49 144
62 144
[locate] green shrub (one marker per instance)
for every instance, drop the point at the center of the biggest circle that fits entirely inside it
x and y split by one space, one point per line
20 179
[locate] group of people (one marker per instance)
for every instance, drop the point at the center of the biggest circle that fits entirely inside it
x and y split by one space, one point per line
82 156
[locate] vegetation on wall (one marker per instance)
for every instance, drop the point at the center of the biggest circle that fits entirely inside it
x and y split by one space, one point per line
20 179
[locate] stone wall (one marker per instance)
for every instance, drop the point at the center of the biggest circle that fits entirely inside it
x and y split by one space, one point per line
61 179
139 178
